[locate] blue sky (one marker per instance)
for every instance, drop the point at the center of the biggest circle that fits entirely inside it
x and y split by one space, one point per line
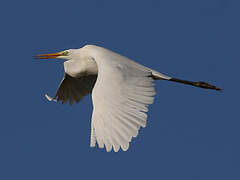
191 133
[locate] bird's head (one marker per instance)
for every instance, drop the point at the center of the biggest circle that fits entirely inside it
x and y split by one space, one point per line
66 54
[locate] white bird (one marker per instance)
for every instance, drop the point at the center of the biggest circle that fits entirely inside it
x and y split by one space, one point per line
121 92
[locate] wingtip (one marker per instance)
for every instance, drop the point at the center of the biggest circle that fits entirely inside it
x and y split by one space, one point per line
125 146
50 98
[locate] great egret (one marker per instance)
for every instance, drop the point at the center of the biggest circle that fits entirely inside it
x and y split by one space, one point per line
121 92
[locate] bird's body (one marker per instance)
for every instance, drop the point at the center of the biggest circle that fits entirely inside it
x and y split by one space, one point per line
84 60
81 65
121 92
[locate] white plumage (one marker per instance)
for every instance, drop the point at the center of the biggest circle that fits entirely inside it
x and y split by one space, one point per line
121 92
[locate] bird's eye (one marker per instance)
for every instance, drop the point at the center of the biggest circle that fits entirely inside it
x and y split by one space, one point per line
65 53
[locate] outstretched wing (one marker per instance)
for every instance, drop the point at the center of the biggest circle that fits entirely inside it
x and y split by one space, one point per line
121 96
74 89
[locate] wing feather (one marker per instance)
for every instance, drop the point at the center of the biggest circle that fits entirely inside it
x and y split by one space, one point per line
121 96
74 89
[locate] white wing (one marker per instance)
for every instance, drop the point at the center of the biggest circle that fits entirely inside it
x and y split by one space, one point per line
121 96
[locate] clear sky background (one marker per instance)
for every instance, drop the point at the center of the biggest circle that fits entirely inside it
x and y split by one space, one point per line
191 134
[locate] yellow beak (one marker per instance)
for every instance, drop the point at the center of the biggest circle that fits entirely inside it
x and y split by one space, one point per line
48 56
